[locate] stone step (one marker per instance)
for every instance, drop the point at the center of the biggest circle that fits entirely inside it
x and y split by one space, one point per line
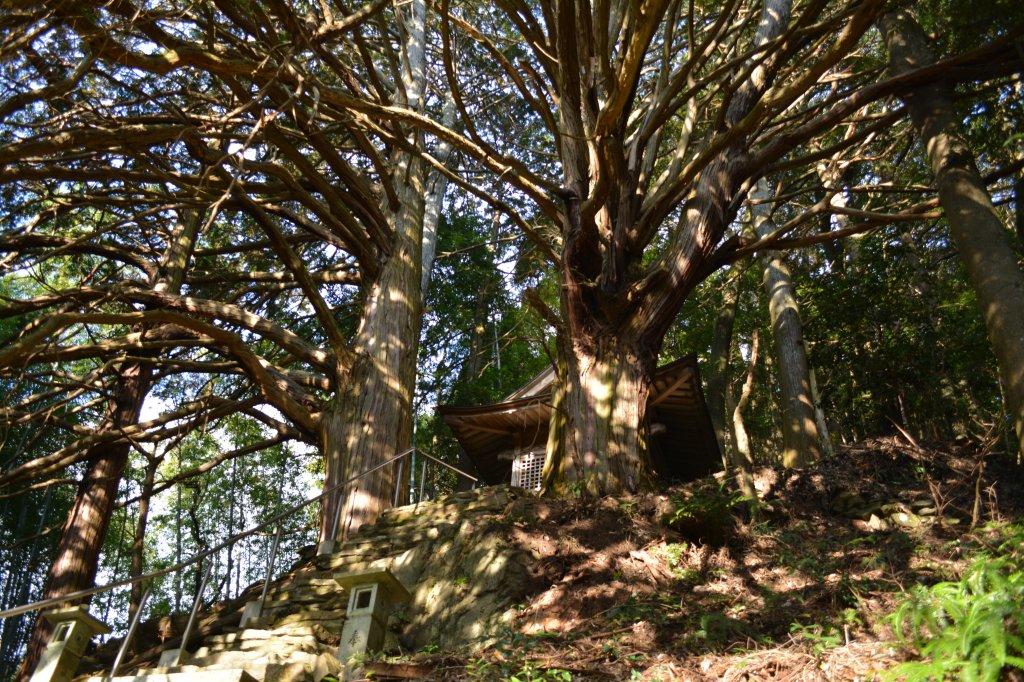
306 593
403 535
255 671
277 643
259 634
342 563
254 660
332 620
285 600
312 580
491 500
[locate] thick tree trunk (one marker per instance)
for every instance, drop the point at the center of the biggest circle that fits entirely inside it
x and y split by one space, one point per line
974 225
370 420
74 567
604 448
799 423
800 426
614 330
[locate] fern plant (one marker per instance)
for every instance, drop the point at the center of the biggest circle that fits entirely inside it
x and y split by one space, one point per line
970 629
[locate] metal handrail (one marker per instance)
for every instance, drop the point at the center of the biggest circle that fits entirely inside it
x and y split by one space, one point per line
453 468
423 482
191 616
136 617
88 592
53 601
270 568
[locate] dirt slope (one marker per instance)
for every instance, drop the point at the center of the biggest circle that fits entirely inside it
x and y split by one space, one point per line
685 585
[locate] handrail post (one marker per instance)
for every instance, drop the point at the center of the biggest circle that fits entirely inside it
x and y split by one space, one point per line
423 481
326 546
132 626
398 482
270 568
192 616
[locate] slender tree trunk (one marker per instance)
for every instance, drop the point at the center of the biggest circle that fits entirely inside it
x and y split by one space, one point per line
721 350
1018 195
438 185
177 548
974 224
743 457
800 428
555 446
138 561
231 527
819 416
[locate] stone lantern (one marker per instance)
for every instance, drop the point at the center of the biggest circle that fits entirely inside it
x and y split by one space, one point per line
371 596
73 627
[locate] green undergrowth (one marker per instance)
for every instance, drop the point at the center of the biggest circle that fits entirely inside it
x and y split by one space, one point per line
515 662
971 628
704 512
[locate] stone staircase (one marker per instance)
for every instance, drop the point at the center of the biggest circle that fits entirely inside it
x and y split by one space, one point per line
296 638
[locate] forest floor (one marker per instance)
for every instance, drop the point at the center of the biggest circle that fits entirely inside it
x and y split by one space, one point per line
685 585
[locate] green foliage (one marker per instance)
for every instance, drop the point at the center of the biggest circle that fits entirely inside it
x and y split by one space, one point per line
532 673
704 513
970 629
704 501
515 662
481 669
479 342
821 636
717 629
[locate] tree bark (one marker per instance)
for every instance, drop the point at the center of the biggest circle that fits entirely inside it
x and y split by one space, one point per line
370 420
825 436
435 201
604 449
974 224
799 424
615 326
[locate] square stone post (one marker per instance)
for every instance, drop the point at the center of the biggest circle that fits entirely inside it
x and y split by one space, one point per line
73 627
371 596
